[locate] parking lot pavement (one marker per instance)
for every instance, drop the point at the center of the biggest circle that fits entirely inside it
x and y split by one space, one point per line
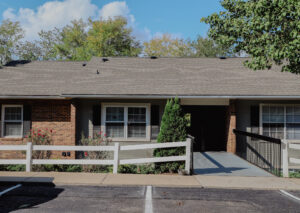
51 198
31 198
221 200
4 187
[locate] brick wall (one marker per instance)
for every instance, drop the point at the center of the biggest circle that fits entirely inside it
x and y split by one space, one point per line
231 125
60 116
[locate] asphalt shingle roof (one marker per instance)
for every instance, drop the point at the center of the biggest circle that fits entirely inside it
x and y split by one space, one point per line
145 76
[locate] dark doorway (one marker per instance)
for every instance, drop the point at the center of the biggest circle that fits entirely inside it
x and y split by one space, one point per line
208 126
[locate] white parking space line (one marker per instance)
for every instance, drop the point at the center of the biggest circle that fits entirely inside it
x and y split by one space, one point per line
148 204
9 189
290 195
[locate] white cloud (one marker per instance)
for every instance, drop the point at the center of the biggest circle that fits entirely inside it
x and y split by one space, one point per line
120 8
117 8
59 13
51 14
142 34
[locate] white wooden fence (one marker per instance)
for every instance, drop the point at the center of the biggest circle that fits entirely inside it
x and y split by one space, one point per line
285 156
29 148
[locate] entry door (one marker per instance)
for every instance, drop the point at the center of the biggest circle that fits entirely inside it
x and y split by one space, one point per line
208 126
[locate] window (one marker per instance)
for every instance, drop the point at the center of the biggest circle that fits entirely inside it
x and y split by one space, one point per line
136 122
293 122
281 121
273 121
115 122
126 121
12 120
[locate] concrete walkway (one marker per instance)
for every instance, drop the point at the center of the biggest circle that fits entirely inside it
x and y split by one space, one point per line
232 182
225 164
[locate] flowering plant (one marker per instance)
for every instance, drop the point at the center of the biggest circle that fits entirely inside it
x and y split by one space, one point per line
99 139
41 137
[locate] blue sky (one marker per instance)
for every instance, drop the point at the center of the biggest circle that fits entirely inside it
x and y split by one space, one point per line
148 18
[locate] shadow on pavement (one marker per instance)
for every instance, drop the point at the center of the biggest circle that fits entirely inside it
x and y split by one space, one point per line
29 195
220 169
217 170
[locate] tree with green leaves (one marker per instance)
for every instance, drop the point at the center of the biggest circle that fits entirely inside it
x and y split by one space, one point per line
206 47
166 46
173 129
29 51
266 30
112 37
73 42
47 42
10 35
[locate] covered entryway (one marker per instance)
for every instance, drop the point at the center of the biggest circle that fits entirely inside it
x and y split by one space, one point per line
208 126
225 164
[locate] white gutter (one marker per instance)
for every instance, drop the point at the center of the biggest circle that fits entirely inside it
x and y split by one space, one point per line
185 96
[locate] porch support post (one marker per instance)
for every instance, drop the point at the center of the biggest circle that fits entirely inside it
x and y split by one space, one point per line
231 125
188 156
285 158
116 158
28 156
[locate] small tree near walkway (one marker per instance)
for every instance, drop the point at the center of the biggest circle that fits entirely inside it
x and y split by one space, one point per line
173 129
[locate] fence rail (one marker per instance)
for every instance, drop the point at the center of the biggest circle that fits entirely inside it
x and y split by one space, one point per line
257 136
262 151
29 148
266 152
285 155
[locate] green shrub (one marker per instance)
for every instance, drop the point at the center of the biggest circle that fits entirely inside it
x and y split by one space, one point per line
132 169
173 129
137 169
146 169
15 168
57 168
295 174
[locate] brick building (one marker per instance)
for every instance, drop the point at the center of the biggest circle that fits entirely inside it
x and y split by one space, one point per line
125 98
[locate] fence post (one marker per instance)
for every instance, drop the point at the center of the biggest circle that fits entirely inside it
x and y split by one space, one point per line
116 158
188 156
285 158
28 156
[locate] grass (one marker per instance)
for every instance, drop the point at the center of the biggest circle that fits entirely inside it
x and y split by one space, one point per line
294 174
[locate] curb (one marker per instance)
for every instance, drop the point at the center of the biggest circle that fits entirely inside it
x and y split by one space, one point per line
27 183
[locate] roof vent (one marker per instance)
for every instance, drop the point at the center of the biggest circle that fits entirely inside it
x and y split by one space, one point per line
222 57
105 59
153 57
97 72
84 64
16 63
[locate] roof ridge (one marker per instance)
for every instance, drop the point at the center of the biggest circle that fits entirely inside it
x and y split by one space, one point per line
168 57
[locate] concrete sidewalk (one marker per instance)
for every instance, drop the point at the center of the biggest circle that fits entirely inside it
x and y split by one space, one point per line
225 164
61 178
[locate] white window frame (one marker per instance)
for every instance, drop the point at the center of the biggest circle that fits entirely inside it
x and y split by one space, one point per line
284 121
125 106
3 120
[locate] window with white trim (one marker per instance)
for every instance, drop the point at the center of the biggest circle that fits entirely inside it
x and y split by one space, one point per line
136 122
126 121
115 122
12 120
281 121
293 122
